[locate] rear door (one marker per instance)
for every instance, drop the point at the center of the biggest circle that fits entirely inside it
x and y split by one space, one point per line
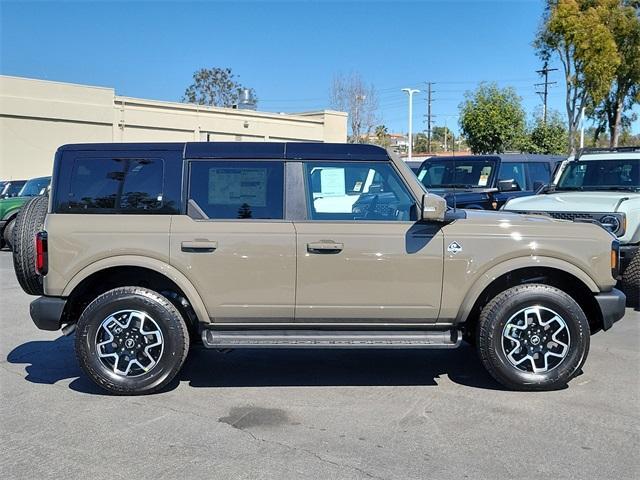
234 244
362 257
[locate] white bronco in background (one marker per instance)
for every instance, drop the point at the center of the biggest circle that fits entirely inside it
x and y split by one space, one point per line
602 186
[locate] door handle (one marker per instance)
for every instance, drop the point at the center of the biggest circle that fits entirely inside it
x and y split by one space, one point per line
325 246
198 246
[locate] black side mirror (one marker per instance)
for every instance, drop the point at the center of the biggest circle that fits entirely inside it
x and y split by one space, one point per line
508 185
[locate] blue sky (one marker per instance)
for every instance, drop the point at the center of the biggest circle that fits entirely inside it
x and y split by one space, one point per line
288 51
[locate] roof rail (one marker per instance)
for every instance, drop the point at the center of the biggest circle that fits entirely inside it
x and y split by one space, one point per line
583 151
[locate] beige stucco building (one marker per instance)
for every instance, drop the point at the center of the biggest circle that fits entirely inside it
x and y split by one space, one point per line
37 116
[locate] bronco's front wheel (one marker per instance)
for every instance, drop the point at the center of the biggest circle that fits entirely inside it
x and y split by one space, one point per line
131 340
533 337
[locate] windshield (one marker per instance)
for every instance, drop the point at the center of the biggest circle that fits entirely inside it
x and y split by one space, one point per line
623 174
34 186
456 174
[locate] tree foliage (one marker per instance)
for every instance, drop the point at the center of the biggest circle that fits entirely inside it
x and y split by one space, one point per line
579 34
548 137
492 119
349 93
382 136
217 87
613 112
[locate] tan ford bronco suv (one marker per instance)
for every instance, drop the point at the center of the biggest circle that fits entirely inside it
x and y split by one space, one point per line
144 249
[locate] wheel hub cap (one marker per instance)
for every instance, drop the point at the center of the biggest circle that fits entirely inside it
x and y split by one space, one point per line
535 339
129 343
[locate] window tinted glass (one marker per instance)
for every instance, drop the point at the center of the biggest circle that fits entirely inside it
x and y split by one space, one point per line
539 174
513 171
356 191
234 189
34 187
601 175
460 173
115 184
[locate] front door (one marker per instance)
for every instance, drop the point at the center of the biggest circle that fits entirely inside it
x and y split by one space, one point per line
362 256
234 245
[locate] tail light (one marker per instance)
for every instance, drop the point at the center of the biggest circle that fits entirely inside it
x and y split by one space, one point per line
42 253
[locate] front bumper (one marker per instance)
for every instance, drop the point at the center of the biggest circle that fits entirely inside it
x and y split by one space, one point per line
612 305
46 312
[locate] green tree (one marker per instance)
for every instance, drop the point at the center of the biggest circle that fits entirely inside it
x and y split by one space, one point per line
549 137
420 143
492 119
577 32
614 111
382 137
217 87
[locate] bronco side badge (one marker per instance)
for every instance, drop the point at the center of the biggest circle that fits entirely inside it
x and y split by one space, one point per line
454 248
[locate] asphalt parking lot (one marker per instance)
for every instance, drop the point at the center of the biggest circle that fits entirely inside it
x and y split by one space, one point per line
395 414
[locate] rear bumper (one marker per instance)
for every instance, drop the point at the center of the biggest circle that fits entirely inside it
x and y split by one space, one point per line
46 312
612 305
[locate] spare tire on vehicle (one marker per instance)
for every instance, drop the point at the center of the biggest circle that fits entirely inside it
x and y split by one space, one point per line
631 282
30 220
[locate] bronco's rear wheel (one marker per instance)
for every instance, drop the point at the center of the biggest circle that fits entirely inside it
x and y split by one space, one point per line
533 337
29 221
131 341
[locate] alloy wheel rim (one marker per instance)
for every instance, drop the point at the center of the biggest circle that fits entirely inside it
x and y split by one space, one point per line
129 343
536 339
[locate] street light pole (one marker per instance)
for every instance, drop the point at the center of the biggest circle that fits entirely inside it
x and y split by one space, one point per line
410 91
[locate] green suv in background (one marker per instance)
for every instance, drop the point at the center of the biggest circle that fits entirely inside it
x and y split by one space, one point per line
9 207
603 187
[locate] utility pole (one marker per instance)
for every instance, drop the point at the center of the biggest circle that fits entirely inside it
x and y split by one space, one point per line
410 91
545 72
429 116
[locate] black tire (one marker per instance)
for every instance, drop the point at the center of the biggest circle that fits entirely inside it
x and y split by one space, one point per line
631 282
7 235
168 320
502 308
29 221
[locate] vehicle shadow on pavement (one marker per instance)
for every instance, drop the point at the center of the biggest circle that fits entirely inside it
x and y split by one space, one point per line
344 367
50 362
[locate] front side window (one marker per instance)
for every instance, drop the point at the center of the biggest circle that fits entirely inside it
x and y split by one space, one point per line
357 191
601 175
115 185
456 173
513 171
539 174
238 189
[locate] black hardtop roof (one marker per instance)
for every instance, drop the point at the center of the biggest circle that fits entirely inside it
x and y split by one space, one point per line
503 157
248 150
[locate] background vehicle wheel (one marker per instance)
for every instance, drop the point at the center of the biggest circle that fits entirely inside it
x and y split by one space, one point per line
533 337
29 221
8 233
631 282
131 341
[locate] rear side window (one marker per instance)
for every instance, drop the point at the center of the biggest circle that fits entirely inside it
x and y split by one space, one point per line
238 190
114 185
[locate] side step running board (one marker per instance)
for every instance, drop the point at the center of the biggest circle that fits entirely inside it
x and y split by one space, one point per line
330 339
